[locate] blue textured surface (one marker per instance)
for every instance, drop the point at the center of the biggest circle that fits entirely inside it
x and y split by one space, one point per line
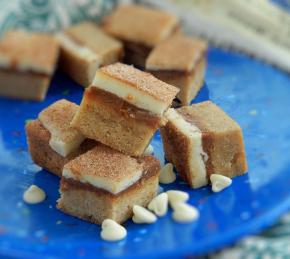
254 94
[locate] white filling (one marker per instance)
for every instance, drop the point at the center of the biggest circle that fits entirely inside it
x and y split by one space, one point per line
64 139
24 66
81 51
107 184
129 93
65 148
197 166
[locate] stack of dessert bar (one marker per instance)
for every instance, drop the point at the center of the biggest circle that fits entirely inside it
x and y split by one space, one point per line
98 148
162 50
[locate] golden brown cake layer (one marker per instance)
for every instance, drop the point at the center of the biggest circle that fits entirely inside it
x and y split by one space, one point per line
100 206
131 23
43 155
77 67
115 123
207 134
176 148
230 159
20 85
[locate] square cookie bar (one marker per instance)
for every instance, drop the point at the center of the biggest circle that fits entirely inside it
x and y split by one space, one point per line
140 28
180 61
104 183
27 62
84 48
123 108
201 140
51 140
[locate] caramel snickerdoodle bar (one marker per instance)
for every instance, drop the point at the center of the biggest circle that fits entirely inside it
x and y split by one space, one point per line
140 28
27 62
84 48
52 142
123 108
103 183
180 61
201 140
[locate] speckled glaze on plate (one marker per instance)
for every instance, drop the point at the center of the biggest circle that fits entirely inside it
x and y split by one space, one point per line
254 94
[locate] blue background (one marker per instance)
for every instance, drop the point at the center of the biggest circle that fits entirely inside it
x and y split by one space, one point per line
254 94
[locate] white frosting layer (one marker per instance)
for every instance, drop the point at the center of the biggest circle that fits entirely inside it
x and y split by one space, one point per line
104 183
129 93
197 174
23 66
81 51
65 147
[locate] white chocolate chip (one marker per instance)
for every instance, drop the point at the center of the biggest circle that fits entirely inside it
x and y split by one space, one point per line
219 182
34 195
159 204
149 150
142 215
112 231
167 174
175 196
184 213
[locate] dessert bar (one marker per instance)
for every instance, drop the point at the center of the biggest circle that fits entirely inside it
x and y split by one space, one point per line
84 48
123 108
140 28
51 140
27 62
180 61
201 140
103 183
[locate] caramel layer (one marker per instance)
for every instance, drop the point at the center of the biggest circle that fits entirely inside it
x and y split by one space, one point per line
122 107
176 73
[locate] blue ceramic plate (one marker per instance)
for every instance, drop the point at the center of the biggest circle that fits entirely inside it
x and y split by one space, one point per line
254 94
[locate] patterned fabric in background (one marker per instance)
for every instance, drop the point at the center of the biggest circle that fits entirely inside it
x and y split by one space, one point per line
52 15
272 243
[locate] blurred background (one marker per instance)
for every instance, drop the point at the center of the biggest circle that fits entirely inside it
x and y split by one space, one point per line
260 28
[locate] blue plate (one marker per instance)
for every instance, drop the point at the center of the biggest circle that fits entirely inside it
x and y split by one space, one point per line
254 94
